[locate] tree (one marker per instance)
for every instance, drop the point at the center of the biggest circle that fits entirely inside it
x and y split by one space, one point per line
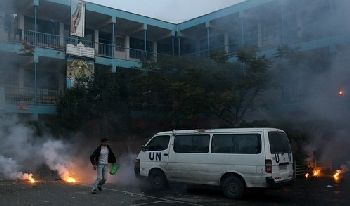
216 88
176 92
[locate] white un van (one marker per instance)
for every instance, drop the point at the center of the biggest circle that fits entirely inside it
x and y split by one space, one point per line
234 159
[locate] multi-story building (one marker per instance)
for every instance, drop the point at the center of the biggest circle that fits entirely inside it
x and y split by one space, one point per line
34 35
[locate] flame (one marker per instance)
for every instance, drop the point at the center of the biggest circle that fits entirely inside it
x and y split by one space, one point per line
341 92
67 175
307 175
337 174
70 179
29 178
316 172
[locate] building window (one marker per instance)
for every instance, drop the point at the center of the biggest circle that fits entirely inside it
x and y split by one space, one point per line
192 143
158 143
236 143
120 41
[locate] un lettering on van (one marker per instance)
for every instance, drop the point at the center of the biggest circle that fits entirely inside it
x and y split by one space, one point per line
155 156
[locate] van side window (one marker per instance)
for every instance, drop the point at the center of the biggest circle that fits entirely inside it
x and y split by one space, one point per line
236 143
158 143
192 143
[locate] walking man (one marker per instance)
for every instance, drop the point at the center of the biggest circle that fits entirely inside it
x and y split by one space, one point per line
100 159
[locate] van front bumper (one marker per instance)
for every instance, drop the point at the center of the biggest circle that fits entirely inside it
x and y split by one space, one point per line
271 183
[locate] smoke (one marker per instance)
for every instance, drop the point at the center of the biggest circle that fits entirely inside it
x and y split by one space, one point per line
309 82
21 150
126 175
9 168
322 103
56 156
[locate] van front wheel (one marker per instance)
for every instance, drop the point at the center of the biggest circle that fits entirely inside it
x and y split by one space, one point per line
233 187
157 179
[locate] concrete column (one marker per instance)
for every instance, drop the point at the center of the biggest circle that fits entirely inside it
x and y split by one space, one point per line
155 51
260 44
114 20
36 61
127 47
197 47
21 26
207 25
114 67
283 21
97 40
145 36
179 45
36 3
226 43
241 19
299 22
173 42
61 34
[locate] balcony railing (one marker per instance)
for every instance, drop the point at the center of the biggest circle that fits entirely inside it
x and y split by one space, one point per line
111 50
42 39
108 49
103 49
26 95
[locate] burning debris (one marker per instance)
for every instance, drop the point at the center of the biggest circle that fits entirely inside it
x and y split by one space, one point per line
336 175
29 177
316 172
341 92
52 151
70 180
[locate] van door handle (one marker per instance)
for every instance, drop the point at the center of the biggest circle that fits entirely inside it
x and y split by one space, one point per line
166 154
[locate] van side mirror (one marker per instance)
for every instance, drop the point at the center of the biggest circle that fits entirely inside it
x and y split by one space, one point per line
144 148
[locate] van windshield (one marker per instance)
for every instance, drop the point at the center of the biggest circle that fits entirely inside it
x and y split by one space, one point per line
279 143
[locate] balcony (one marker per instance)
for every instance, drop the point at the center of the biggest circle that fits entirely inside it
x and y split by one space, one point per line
26 96
42 39
108 50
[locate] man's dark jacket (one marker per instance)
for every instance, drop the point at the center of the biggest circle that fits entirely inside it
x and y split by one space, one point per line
94 158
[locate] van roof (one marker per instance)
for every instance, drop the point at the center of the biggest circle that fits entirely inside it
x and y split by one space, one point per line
224 130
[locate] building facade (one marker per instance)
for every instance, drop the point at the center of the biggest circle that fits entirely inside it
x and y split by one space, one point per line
34 35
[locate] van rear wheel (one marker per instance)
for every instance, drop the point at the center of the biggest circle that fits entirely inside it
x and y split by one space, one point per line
157 179
233 187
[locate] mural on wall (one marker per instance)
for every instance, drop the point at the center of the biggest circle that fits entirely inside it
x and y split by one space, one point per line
78 68
77 18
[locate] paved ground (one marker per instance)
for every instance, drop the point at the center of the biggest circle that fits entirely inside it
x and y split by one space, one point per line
57 193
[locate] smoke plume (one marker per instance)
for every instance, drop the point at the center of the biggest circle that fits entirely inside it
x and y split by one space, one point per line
313 86
21 151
